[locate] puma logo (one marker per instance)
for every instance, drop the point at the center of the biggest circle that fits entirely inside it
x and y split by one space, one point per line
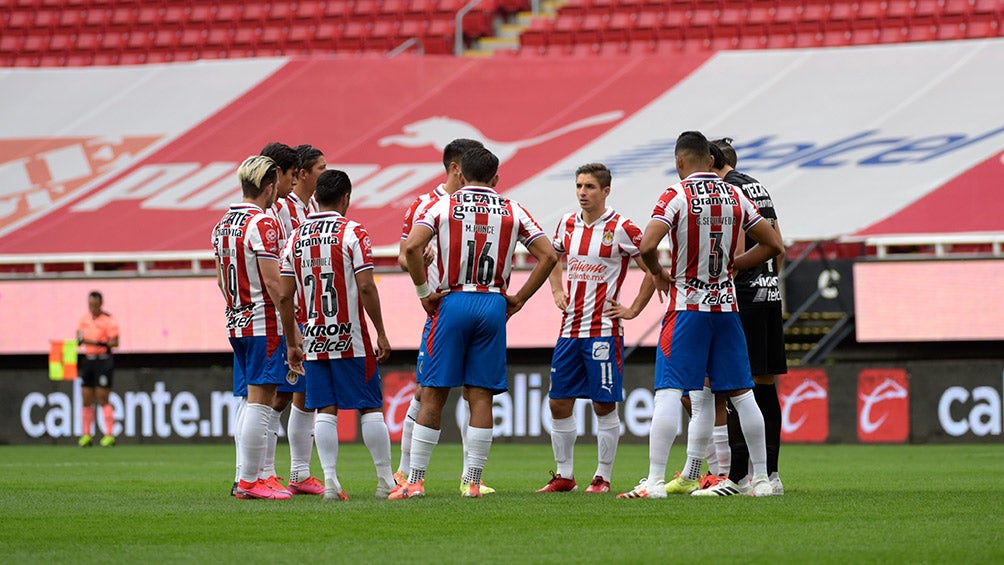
438 131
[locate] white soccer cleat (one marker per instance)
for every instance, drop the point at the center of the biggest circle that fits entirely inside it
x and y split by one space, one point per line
761 486
775 484
724 487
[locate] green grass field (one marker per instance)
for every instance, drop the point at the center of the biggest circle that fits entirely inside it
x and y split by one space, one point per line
843 504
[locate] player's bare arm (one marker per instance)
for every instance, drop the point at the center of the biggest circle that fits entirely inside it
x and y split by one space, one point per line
769 244
617 310
654 233
557 287
294 340
546 257
414 249
371 303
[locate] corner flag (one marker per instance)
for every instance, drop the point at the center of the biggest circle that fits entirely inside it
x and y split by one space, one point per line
63 360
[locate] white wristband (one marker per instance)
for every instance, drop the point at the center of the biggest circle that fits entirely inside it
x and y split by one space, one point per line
423 290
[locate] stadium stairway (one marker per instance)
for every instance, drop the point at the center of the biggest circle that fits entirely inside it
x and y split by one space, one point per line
810 336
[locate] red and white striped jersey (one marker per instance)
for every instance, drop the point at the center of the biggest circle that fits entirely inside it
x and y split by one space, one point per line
323 255
598 256
291 212
415 211
476 231
706 217
244 235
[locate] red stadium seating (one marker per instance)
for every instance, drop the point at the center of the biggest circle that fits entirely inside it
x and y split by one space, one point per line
83 32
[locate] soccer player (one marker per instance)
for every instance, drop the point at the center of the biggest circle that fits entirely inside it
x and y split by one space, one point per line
476 231
759 298
588 358
246 247
451 161
701 334
328 264
288 211
98 332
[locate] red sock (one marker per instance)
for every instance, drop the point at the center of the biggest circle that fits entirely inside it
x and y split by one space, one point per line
109 414
87 419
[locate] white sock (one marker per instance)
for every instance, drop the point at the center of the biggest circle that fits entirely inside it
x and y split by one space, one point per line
326 437
563 445
300 433
702 420
751 422
267 467
711 455
423 440
608 435
479 441
465 422
723 453
665 417
377 440
406 431
253 439
238 424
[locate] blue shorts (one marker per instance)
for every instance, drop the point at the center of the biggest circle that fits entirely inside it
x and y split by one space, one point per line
588 367
350 384
423 350
695 345
466 343
258 361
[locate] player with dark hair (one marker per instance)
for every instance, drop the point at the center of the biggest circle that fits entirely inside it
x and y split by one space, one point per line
290 213
452 154
701 333
759 298
327 266
476 231
98 332
588 357
246 247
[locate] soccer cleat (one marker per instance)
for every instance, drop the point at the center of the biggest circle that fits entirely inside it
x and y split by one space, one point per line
598 486
383 490
274 484
725 487
400 478
408 490
308 486
485 489
473 490
775 484
762 486
257 490
85 440
233 489
709 480
559 484
331 495
658 490
679 485
108 441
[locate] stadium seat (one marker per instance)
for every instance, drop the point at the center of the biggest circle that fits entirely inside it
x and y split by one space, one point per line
979 28
815 12
174 16
957 8
309 10
760 14
870 10
71 19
